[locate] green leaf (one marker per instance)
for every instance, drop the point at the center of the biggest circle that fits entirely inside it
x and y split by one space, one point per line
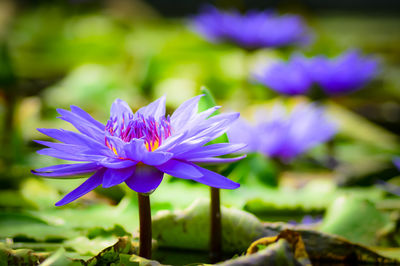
355 219
207 102
25 225
189 229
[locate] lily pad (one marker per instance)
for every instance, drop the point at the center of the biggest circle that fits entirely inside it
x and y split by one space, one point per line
189 229
356 219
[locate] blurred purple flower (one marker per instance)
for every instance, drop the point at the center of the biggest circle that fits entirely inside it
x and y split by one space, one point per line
138 148
307 220
284 135
253 30
289 78
396 162
343 74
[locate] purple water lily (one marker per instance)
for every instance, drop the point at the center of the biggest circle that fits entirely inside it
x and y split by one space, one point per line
289 78
343 74
138 148
284 135
253 30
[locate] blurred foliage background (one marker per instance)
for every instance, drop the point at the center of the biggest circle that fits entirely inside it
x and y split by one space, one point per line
54 54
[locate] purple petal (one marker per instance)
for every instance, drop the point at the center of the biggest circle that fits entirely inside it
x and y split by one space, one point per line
115 163
70 137
212 160
213 179
82 125
136 150
78 111
180 169
212 150
173 141
242 132
156 157
87 186
63 170
154 109
68 156
118 146
113 177
145 179
185 112
120 109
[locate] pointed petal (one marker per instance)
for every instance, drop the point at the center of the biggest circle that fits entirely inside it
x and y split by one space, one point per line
213 160
212 150
145 179
120 109
70 137
63 170
156 157
185 112
84 115
154 109
136 150
172 141
115 163
113 177
68 156
213 179
87 186
82 125
180 169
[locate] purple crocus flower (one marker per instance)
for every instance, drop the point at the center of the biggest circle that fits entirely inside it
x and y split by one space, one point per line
343 74
138 148
289 78
253 30
283 135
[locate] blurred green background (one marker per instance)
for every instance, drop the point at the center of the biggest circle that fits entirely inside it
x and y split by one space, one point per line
54 54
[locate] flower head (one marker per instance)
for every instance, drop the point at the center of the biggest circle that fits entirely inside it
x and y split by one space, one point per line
284 135
253 30
343 74
290 78
138 148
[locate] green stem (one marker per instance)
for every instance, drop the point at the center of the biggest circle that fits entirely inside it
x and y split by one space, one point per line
216 227
145 226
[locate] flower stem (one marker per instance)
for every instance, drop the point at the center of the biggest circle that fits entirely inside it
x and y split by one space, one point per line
216 227
145 226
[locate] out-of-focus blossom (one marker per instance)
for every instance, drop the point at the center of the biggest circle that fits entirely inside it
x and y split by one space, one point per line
284 135
138 148
396 162
253 30
343 74
340 75
307 220
289 78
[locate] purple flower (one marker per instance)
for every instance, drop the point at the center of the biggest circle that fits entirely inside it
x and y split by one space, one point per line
344 74
138 148
253 30
290 78
284 135
396 162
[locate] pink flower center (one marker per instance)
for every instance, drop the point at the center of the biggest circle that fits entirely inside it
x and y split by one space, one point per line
152 131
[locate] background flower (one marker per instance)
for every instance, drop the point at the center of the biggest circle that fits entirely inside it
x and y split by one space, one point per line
138 148
290 78
284 135
343 74
252 30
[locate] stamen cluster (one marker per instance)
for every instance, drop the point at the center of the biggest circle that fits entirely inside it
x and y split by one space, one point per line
153 131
